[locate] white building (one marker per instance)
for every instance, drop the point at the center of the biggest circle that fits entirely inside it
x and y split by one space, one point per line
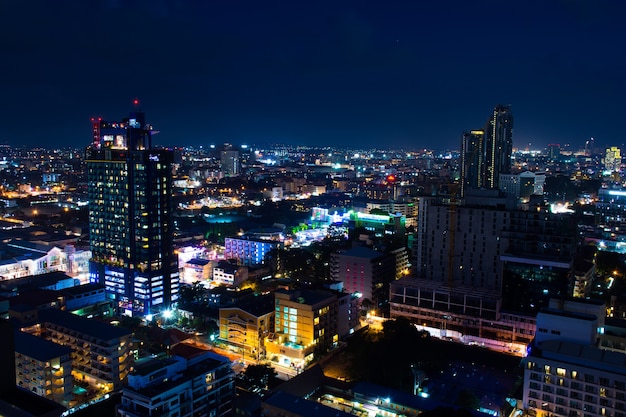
567 371
225 273
40 259
522 185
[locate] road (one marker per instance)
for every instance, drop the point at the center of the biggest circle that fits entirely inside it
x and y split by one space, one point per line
239 362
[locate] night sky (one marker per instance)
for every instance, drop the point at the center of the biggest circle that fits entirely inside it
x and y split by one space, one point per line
410 74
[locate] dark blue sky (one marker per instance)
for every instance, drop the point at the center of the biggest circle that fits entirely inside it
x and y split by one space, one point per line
407 74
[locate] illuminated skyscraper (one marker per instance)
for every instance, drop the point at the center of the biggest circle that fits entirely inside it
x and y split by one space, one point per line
472 160
130 216
498 145
613 159
485 154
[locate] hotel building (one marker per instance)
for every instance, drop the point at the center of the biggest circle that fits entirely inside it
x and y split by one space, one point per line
569 371
130 216
201 385
101 353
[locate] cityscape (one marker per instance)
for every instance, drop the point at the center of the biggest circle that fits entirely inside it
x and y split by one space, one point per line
328 209
243 279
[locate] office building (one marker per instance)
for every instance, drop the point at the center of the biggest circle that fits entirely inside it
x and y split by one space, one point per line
610 214
554 151
483 271
196 270
229 273
538 262
130 216
461 244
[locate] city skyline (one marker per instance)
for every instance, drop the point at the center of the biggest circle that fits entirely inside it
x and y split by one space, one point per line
405 75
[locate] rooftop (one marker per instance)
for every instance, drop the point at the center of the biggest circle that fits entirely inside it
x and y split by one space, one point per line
198 261
38 348
306 296
81 289
36 281
301 407
582 355
362 252
83 325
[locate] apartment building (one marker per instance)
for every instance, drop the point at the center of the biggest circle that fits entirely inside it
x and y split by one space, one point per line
568 371
246 325
43 367
201 384
305 322
101 353
365 272
249 251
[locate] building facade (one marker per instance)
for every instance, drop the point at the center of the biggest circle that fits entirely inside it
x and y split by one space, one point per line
485 154
246 327
249 251
44 368
101 353
472 160
230 163
130 216
522 186
568 372
202 386
305 323
366 272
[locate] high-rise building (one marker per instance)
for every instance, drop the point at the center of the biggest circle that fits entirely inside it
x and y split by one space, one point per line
485 154
472 160
498 145
613 159
130 216
229 161
554 151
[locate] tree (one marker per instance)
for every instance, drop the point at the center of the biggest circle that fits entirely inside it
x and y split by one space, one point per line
467 399
194 293
259 376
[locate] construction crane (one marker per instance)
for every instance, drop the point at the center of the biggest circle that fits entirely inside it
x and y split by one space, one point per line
453 189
